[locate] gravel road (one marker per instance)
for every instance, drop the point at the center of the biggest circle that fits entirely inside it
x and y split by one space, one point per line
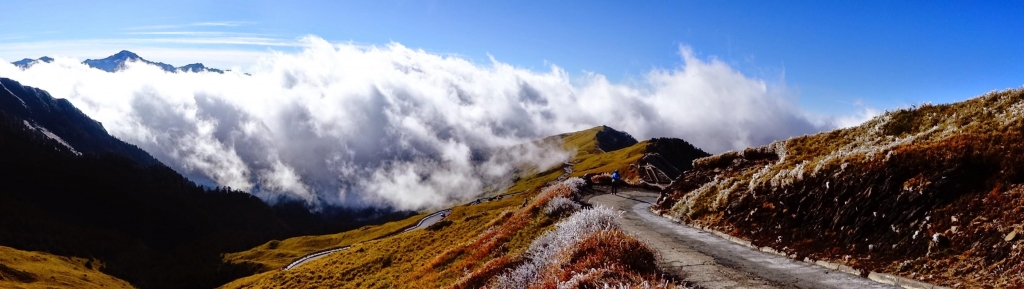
713 262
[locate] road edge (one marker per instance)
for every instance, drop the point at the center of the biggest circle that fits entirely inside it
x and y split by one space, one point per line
884 278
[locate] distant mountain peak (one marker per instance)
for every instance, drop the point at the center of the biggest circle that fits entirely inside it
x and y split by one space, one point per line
126 54
198 67
118 61
27 62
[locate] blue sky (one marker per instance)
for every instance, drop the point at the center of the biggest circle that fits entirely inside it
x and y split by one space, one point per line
883 54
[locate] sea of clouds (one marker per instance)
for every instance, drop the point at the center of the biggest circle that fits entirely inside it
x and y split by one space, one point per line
341 124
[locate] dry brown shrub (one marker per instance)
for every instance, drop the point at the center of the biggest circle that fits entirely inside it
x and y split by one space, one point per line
602 179
482 275
492 243
612 250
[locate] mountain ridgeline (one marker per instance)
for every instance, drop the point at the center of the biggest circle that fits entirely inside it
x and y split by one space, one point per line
64 123
71 189
118 61
656 162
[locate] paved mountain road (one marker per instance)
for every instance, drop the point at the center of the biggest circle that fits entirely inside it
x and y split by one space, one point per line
712 262
423 223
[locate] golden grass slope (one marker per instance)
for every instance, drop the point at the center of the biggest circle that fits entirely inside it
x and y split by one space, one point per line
479 239
23 269
276 254
475 248
387 262
590 158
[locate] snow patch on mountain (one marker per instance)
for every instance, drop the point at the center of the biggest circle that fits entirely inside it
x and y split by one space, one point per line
51 135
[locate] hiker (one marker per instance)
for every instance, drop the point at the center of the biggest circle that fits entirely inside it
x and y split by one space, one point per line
615 182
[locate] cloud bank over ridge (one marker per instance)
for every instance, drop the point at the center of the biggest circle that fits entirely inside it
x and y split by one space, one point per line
391 126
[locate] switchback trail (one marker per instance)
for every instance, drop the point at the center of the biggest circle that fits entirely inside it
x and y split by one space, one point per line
712 262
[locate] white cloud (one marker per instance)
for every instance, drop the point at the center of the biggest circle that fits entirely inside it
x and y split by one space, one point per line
356 125
864 114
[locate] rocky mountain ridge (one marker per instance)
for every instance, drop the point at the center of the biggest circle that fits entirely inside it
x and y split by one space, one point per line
118 62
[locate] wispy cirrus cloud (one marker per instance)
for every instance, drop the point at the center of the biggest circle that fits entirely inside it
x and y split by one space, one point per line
196 24
224 23
257 41
154 27
193 33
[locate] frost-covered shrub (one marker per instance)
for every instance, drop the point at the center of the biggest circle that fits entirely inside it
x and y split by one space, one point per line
566 188
716 161
574 184
543 250
560 206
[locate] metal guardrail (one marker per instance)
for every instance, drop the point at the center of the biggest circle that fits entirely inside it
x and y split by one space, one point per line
312 256
444 212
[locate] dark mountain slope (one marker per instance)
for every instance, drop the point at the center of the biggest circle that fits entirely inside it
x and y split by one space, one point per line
58 116
608 139
603 149
934 193
137 220
69 188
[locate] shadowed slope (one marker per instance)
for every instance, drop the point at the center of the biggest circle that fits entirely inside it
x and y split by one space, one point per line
70 189
21 269
57 116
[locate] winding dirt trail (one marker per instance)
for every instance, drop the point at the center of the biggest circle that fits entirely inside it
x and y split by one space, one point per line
712 262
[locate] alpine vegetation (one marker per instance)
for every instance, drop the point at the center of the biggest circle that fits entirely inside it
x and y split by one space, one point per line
586 250
931 192
544 250
561 205
486 239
